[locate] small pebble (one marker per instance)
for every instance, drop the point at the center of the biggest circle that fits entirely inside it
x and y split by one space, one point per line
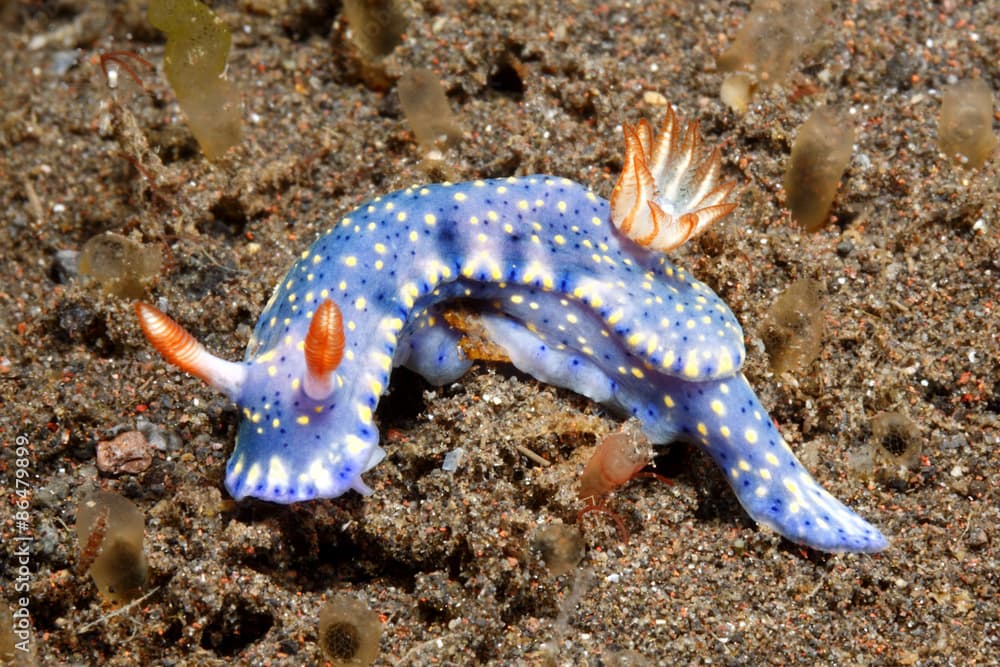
52 494
845 247
65 266
63 61
128 453
957 441
977 488
977 538
654 99
160 438
453 459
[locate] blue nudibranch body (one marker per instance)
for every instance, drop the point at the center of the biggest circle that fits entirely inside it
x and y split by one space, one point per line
560 285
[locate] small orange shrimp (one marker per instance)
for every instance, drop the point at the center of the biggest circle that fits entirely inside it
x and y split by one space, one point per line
619 458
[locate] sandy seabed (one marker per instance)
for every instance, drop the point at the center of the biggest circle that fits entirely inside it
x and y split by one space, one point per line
909 271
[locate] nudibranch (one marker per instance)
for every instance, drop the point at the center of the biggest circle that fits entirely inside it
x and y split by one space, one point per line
575 289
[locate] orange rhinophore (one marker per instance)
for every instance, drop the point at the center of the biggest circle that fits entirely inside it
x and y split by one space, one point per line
181 349
324 348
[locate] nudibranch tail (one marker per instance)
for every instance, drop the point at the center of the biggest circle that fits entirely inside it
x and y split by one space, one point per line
664 197
773 486
324 348
182 350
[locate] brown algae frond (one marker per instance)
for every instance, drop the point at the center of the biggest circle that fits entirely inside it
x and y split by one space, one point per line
820 155
774 36
122 266
965 130
195 63
349 632
792 330
560 547
427 111
897 439
376 26
110 529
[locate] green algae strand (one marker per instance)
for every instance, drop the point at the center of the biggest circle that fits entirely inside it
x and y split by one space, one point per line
965 129
820 155
195 62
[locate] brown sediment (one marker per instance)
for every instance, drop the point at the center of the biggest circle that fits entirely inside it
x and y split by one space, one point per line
909 275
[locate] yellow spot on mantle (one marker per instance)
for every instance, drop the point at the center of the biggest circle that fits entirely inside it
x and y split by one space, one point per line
725 365
253 474
365 414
